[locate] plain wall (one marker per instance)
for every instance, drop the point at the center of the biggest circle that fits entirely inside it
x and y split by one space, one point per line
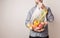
13 14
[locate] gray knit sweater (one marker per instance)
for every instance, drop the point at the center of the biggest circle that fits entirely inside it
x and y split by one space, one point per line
49 18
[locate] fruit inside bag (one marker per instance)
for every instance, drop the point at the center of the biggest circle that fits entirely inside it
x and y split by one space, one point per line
39 23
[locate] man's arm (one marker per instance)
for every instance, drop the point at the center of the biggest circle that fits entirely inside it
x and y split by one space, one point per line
50 16
28 19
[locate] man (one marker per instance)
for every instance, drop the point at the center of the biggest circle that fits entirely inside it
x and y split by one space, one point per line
32 14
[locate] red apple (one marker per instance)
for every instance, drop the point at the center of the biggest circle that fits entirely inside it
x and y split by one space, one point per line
40 26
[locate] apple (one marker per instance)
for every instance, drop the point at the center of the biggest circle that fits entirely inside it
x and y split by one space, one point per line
40 26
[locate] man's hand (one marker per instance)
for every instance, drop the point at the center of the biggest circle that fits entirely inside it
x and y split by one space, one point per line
39 30
43 6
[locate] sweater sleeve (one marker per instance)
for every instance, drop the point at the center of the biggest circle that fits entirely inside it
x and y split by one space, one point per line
50 16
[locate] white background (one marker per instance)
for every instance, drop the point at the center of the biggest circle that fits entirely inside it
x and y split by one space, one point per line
13 14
